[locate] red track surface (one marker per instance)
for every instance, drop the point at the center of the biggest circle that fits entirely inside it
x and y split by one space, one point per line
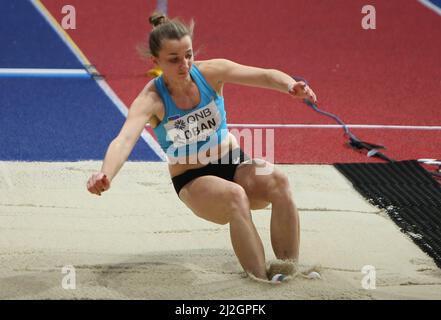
390 76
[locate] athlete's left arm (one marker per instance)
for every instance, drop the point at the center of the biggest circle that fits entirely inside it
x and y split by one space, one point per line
232 72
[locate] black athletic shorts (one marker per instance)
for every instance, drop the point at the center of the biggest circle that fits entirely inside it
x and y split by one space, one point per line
224 168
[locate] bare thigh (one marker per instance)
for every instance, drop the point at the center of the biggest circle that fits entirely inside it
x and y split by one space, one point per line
214 199
259 184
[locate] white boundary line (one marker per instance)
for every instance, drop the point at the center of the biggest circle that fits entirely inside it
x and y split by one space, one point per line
431 6
333 126
101 83
35 71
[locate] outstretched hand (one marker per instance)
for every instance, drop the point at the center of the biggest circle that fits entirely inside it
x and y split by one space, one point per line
98 183
301 90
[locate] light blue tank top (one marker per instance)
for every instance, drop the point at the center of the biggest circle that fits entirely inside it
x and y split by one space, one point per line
185 132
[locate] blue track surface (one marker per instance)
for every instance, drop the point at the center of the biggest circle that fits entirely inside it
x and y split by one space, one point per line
436 2
28 41
44 119
59 120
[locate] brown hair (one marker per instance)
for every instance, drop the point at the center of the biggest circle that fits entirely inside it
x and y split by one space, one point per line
165 29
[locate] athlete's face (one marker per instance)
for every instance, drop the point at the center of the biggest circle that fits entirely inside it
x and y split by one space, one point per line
176 57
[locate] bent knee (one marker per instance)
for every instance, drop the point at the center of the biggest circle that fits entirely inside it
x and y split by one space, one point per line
237 198
238 203
281 179
280 185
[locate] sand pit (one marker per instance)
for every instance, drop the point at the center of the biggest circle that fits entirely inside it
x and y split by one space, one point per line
138 241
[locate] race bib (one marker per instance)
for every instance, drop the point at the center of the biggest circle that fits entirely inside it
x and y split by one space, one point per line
194 126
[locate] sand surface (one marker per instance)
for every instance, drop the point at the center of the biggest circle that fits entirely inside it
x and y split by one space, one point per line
138 241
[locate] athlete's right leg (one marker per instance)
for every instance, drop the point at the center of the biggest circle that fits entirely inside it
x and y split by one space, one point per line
221 201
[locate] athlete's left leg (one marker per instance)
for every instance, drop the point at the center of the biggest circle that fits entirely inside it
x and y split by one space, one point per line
266 184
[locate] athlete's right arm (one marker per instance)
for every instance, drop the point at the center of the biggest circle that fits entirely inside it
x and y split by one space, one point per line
143 108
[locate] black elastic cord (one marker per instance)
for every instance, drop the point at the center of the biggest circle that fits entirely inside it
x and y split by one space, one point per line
354 142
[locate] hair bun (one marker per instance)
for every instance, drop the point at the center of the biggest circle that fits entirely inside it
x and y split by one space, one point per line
157 19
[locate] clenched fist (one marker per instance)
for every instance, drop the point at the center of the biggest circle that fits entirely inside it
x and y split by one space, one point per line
98 183
302 90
